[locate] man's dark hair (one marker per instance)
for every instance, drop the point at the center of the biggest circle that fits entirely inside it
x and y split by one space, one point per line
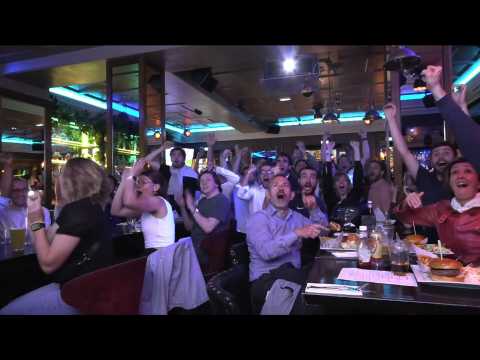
284 154
445 143
178 149
299 161
383 166
215 176
307 168
280 175
159 179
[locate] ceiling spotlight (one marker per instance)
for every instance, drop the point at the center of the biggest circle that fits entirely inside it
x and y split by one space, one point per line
157 135
39 125
187 132
13 128
289 65
285 99
330 118
371 116
403 60
419 85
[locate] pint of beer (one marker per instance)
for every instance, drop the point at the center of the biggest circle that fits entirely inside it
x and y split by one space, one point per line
17 237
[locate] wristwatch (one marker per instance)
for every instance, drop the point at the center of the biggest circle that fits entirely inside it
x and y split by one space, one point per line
37 226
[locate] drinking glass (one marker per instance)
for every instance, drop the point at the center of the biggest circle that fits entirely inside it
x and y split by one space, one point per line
399 257
17 237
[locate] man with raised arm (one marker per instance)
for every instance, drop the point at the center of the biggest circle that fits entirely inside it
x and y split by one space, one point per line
453 108
429 182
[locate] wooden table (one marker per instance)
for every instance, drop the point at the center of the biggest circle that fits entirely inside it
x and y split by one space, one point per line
385 299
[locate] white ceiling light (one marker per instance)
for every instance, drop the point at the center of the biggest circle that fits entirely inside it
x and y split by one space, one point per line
289 65
285 99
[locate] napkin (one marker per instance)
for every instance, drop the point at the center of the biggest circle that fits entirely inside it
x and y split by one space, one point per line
345 254
332 289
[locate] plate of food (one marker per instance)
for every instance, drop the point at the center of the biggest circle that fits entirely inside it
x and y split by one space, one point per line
446 272
345 242
434 248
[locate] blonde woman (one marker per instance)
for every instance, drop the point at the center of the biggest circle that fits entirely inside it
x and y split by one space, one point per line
81 242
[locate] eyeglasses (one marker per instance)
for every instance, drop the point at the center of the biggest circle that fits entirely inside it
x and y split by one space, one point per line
142 181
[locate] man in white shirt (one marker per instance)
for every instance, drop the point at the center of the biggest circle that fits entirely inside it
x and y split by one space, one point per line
255 194
13 202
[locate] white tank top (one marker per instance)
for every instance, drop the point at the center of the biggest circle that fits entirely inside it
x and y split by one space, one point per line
158 232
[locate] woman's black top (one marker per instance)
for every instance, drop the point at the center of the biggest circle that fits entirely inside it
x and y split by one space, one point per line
88 221
353 206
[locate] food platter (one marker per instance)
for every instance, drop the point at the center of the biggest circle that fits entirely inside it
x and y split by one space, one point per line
332 244
433 248
423 278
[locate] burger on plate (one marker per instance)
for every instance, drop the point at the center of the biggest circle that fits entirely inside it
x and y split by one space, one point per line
350 241
416 239
446 270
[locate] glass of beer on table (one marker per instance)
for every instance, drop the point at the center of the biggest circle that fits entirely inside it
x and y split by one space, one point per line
17 238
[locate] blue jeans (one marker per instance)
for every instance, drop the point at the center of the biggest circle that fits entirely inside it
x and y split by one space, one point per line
42 301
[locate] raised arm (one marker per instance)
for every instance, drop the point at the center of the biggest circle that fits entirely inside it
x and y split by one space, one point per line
50 256
311 161
237 160
151 158
454 111
141 203
410 161
200 154
210 155
207 224
118 208
365 147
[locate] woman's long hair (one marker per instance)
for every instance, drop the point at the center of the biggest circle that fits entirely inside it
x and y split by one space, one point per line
82 178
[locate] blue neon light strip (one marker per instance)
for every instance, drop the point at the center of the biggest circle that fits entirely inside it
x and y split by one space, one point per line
121 108
18 140
468 75
92 101
413 96
309 119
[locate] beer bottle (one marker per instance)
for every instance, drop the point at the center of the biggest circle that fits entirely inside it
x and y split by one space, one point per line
364 249
377 261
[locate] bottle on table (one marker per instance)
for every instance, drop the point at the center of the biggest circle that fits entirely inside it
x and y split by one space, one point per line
376 242
364 250
369 220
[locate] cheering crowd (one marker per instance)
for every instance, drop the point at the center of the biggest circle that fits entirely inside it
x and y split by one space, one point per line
280 207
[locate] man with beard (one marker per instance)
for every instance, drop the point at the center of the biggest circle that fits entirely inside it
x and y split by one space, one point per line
306 203
453 108
173 174
274 239
380 191
428 182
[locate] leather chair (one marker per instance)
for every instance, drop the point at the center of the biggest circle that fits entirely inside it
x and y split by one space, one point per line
114 290
229 291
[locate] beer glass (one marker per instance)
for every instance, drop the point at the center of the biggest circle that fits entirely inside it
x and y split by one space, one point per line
17 238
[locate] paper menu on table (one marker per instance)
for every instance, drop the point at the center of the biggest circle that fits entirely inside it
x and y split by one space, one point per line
377 276
345 254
